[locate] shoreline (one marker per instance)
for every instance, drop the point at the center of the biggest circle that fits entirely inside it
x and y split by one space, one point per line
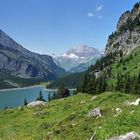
11 89
20 88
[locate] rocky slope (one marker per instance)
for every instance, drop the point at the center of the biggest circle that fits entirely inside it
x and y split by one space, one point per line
18 61
127 34
78 59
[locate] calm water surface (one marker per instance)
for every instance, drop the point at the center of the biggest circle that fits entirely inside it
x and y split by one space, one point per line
16 97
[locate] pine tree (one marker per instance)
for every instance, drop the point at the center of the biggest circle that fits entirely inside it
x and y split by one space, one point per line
138 84
40 97
49 97
103 85
134 85
91 86
118 84
6 107
85 84
25 102
127 85
98 85
62 92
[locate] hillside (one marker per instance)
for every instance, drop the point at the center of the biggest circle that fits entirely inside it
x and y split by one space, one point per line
19 62
129 66
9 81
119 69
70 81
66 119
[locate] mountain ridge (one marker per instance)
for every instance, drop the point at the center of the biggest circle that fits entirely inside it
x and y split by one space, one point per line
20 62
77 59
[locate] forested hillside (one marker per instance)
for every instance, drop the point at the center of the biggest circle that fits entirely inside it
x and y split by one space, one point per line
70 81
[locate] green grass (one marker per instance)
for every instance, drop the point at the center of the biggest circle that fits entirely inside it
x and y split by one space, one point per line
66 119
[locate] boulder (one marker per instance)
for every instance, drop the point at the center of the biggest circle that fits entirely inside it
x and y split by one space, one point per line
128 136
118 111
135 103
36 104
95 113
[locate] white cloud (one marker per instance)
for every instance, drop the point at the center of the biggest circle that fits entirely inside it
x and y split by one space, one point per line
96 11
99 8
90 14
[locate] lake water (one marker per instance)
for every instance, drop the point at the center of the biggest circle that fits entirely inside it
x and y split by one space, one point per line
15 97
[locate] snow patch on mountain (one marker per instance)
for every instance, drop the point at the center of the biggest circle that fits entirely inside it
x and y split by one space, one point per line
78 59
71 55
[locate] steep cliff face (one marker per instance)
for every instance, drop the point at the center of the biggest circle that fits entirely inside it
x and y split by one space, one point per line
127 34
23 63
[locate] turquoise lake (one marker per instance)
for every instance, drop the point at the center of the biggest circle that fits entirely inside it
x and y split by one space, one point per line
15 97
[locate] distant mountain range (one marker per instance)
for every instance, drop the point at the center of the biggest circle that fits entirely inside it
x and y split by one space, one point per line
17 61
78 59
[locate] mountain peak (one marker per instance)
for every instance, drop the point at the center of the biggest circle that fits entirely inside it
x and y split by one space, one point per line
81 56
82 51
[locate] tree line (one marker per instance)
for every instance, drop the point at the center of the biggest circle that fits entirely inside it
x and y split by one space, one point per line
97 77
61 92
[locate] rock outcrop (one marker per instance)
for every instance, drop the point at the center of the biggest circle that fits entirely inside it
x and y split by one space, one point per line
135 103
95 113
127 35
128 136
36 104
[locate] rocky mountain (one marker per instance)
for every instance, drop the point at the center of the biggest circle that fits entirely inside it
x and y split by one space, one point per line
127 34
78 59
18 61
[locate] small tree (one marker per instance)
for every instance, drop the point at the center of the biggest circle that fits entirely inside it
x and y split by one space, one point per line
75 92
66 93
127 85
25 102
62 92
6 107
40 97
49 97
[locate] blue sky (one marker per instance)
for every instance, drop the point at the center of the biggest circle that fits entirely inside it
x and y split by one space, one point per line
54 26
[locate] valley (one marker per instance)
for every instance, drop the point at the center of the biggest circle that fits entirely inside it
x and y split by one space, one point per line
83 94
